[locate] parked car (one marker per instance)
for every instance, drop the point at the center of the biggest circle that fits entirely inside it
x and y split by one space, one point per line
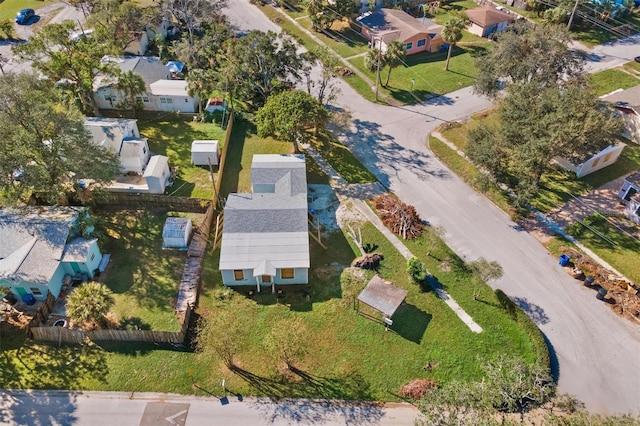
24 16
637 59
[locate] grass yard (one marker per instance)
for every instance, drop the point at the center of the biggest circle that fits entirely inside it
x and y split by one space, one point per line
342 160
172 136
613 79
622 254
591 35
9 8
143 277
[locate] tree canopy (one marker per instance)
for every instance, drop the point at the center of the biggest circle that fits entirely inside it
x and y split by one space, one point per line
452 32
527 54
45 148
88 304
288 115
192 14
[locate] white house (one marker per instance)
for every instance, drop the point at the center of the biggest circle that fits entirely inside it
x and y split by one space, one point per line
122 137
157 174
176 233
205 152
604 158
627 103
265 238
161 93
171 95
630 195
40 245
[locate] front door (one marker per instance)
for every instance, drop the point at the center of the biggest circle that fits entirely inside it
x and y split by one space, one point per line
21 291
266 279
75 267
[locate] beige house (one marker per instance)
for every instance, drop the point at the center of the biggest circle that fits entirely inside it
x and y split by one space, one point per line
383 26
627 103
487 20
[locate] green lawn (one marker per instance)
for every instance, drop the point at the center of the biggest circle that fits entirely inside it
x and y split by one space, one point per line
592 35
9 8
172 137
342 160
143 276
623 254
428 74
613 79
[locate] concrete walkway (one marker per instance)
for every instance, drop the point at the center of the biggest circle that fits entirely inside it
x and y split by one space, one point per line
358 193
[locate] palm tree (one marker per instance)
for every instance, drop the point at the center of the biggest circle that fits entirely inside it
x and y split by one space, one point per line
88 304
197 85
132 85
452 33
394 56
374 59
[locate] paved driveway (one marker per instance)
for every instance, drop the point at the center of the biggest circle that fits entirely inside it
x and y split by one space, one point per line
596 354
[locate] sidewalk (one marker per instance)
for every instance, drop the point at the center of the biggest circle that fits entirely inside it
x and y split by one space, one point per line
356 193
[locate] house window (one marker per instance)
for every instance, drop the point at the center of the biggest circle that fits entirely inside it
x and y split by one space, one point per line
93 256
595 162
266 278
144 149
422 42
36 291
163 101
286 273
408 46
145 99
238 274
186 100
607 157
169 100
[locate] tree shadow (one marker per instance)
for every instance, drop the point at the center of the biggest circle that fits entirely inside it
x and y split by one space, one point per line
554 364
535 312
410 322
36 408
134 323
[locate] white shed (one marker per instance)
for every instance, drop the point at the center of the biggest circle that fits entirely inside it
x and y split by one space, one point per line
204 151
157 174
176 233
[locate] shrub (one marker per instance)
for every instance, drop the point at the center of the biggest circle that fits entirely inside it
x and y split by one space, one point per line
416 270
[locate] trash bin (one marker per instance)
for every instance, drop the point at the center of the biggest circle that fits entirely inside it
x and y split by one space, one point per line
564 260
588 281
602 292
29 299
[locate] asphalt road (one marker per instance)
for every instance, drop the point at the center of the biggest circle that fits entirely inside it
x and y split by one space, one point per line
597 354
147 409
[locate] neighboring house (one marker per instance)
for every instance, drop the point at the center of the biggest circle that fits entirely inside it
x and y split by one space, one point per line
144 37
122 137
602 159
627 103
630 195
40 245
176 233
161 93
171 95
265 237
383 26
487 20
141 172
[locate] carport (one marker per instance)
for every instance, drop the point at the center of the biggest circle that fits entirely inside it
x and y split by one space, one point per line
382 296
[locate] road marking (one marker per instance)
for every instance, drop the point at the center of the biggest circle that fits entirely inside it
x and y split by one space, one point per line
171 419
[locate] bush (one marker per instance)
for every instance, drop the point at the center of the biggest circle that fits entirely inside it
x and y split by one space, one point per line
416 270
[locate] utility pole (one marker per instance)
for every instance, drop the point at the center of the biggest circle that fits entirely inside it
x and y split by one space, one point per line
573 12
378 65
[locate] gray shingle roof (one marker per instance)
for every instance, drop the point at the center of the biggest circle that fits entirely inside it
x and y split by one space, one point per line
78 250
33 241
382 296
394 24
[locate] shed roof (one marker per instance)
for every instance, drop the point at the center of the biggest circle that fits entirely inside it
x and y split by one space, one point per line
157 164
393 24
204 146
633 178
169 88
487 15
382 296
175 226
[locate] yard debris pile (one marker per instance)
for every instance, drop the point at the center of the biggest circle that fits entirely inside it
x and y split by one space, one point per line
402 219
369 261
416 389
623 296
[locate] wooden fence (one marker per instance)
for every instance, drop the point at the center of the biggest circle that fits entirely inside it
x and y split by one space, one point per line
191 274
42 314
142 201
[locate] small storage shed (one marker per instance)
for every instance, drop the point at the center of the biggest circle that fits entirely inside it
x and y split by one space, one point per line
176 233
157 174
382 296
203 152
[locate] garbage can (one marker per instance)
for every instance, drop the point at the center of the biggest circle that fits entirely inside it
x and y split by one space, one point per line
602 292
588 281
29 299
564 260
